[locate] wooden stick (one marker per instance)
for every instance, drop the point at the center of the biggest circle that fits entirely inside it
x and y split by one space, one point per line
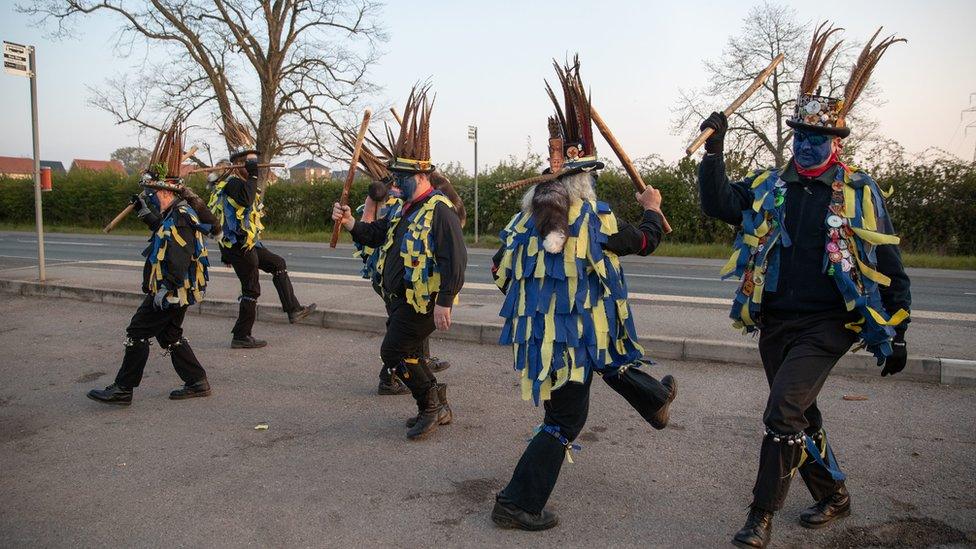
756 84
233 166
119 218
351 175
624 159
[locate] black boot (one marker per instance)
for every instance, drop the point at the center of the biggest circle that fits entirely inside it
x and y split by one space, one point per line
442 394
113 394
248 342
756 532
437 365
432 413
391 384
191 390
510 516
660 418
300 313
827 510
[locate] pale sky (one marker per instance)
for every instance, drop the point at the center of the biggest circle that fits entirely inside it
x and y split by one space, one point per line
487 61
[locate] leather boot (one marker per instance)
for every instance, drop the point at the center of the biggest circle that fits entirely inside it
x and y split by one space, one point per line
113 394
756 532
827 510
299 314
660 419
432 412
249 342
191 390
510 516
442 394
437 365
391 385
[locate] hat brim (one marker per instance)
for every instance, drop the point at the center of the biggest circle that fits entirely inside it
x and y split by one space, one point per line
837 132
404 167
235 155
173 185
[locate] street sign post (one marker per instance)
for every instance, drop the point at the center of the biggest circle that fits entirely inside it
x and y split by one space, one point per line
473 136
19 60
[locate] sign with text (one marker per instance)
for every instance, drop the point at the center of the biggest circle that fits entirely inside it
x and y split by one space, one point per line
16 59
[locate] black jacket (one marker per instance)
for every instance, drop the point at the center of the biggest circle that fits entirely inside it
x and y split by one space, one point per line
178 258
803 285
449 250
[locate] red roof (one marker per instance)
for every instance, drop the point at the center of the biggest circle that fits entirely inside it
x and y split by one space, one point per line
13 164
98 165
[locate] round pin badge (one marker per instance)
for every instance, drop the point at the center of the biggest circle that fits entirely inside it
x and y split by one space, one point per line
846 265
837 186
757 279
835 221
835 257
833 247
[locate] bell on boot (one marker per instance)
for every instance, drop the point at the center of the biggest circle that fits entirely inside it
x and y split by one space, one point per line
447 417
827 510
248 342
113 394
432 412
756 532
392 385
510 516
662 416
297 316
192 390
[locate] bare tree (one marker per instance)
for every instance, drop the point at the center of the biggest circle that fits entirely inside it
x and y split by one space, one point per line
292 71
758 130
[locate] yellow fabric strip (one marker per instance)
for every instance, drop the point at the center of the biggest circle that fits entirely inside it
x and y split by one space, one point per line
872 274
876 238
731 263
759 180
868 219
849 199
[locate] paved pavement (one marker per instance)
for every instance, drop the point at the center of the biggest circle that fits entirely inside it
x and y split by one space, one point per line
696 280
334 470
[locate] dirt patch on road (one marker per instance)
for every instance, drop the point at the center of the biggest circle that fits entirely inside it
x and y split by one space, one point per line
899 532
89 377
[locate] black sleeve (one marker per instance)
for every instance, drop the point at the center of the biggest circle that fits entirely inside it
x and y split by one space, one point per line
720 198
178 258
898 294
242 191
450 252
495 261
640 240
371 234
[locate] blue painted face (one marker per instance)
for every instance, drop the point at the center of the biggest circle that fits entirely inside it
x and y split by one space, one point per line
406 183
810 149
152 199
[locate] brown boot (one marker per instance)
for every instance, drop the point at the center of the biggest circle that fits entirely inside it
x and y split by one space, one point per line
432 413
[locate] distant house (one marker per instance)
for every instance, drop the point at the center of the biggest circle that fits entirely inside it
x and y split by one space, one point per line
98 166
308 170
23 168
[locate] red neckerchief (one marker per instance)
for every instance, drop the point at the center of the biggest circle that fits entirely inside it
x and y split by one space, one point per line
409 205
816 172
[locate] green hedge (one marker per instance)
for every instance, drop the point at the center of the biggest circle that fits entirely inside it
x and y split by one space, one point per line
934 206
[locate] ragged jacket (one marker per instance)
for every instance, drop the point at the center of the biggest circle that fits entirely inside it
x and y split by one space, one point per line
176 258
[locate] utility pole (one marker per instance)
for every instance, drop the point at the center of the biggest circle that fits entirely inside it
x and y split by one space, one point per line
19 60
473 136
962 116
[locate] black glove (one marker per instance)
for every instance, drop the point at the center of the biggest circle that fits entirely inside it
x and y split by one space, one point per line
142 208
715 142
251 166
899 357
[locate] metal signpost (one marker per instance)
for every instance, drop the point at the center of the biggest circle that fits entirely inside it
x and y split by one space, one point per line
473 136
18 60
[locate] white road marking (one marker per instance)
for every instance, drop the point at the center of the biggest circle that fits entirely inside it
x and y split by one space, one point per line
98 244
653 298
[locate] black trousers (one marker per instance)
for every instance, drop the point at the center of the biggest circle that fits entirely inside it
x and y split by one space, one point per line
247 264
403 345
167 327
798 352
386 373
538 469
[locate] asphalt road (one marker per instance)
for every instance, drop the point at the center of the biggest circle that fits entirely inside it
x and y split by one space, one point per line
932 289
335 470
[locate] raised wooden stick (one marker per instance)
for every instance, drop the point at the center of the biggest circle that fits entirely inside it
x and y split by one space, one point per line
119 218
756 84
624 159
351 175
233 166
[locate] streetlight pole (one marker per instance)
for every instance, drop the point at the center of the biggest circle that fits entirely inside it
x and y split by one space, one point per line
473 135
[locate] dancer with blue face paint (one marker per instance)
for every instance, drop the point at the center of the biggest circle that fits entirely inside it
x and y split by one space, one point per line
819 271
420 264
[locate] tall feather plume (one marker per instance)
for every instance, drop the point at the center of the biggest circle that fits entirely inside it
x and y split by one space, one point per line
237 135
372 164
167 155
866 62
817 59
574 117
413 141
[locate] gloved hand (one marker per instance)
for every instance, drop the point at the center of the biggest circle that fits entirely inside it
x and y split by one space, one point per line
720 124
251 165
142 208
159 299
899 357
